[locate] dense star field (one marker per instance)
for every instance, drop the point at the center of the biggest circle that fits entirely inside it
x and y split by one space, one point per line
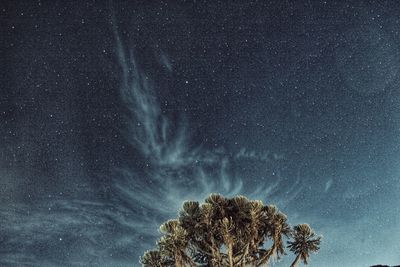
114 112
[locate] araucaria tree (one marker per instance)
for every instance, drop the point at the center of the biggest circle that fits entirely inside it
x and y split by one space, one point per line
229 232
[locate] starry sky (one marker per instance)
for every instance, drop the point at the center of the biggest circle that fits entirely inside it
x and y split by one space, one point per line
114 112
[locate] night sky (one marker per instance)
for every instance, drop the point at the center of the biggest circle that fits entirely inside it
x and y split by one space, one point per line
114 112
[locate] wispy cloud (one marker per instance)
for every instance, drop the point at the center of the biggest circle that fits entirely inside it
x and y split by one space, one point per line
115 229
178 170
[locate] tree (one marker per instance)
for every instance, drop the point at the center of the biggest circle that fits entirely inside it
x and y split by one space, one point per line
305 241
230 232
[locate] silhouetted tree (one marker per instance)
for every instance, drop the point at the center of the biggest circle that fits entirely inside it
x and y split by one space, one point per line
229 232
305 241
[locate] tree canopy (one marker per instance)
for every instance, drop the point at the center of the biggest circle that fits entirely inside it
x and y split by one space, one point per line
229 232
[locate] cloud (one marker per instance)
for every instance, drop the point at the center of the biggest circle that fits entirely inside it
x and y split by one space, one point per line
115 227
328 185
178 170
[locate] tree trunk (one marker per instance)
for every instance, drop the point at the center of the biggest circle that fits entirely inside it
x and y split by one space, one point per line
215 253
296 261
179 260
266 257
230 254
242 260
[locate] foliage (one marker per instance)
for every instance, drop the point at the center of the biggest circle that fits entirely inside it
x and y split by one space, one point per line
229 232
